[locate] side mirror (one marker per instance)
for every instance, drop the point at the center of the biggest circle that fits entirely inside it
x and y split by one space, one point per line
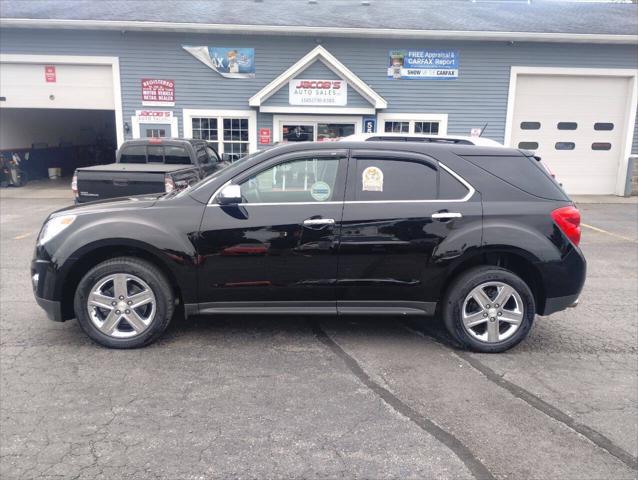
229 157
229 195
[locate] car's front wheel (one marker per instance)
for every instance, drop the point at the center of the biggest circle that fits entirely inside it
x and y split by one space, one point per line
124 303
489 309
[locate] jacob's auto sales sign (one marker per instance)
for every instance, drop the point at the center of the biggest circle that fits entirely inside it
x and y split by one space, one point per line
317 92
158 92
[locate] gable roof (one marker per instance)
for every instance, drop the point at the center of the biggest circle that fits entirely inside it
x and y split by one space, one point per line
320 54
546 20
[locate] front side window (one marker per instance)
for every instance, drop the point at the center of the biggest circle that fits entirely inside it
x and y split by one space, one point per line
304 180
380 179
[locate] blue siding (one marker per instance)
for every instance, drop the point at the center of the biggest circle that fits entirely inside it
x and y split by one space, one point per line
477 97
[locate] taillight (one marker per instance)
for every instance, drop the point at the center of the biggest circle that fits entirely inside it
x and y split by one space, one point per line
568 220
74 184
169 184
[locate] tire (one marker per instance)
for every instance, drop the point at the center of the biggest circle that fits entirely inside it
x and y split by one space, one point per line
130 320
494 329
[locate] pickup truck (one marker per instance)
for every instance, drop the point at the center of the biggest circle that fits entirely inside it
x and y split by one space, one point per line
146 166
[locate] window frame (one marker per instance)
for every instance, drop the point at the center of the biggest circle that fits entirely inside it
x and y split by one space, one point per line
411 119
340 181
220 115
401 156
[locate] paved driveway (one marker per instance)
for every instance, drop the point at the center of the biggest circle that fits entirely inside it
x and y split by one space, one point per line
256 397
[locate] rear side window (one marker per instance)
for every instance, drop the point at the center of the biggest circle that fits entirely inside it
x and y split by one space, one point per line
379 179
523 172
176 155
133 154
449 187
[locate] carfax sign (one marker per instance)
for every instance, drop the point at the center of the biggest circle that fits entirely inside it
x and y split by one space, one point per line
423 64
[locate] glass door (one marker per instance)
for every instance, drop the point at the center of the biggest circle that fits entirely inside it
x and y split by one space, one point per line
330 132
297 132
316 130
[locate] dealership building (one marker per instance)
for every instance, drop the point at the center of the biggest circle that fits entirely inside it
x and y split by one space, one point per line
559 78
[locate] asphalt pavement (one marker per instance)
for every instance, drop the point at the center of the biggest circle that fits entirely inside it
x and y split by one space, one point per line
315 397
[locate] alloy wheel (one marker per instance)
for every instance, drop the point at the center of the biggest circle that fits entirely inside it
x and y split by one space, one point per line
492 312
121 305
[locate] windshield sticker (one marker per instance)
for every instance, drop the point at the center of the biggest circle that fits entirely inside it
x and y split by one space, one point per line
372 180
320 191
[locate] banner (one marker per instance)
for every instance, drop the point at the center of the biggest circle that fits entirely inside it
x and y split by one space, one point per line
228 62
317 92
423 64
158 92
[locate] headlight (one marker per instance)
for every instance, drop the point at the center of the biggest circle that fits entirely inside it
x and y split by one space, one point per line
54 226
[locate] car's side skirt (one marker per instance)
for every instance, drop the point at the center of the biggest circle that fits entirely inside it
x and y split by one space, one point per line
371 307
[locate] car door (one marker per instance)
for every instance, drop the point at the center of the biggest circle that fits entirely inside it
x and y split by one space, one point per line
406 218
277 249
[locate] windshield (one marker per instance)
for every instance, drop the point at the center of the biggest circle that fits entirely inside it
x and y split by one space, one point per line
236 165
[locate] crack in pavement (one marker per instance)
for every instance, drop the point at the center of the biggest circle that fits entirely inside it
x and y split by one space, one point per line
473 464
538 403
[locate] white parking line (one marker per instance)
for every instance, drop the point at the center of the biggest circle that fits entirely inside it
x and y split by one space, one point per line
600 230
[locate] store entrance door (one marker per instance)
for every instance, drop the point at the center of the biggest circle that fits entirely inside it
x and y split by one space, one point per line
318 129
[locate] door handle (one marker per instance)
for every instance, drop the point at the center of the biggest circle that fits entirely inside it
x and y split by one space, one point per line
446 215
312 222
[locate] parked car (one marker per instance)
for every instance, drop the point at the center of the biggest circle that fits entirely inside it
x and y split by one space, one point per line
420 137
482 235
147 166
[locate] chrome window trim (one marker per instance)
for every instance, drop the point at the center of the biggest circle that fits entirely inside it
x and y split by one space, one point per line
470 194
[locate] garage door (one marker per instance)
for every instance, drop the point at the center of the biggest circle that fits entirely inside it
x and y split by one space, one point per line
30 85
576 124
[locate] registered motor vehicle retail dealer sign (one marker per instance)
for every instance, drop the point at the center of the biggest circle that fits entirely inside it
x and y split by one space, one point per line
317 92
423 64
158 92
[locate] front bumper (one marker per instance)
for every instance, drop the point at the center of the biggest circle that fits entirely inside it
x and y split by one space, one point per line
52 308
43 280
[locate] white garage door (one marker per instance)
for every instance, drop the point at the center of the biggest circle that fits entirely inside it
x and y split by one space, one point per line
577 124
30 85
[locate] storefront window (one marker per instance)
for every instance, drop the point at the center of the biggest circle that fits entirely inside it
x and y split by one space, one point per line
426 127
234 135
412 126
205 128
397 127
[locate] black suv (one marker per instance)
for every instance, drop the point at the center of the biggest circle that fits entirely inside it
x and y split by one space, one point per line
484 235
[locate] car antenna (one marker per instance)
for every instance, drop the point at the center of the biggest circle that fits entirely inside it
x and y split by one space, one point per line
483 129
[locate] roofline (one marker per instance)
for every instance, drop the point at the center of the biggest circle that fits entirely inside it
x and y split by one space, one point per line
317 31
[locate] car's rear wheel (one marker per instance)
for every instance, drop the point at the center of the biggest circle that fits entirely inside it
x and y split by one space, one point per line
489 309
124 303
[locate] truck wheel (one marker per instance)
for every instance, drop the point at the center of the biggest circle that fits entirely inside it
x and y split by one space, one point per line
124 303
489 309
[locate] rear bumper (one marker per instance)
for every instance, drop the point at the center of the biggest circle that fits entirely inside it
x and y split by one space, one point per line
52 308
556 304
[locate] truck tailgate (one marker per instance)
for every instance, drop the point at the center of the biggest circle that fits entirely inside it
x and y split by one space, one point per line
117 180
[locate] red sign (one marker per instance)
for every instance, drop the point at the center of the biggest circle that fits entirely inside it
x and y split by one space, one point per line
158 92
49 73
264 136
320 84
